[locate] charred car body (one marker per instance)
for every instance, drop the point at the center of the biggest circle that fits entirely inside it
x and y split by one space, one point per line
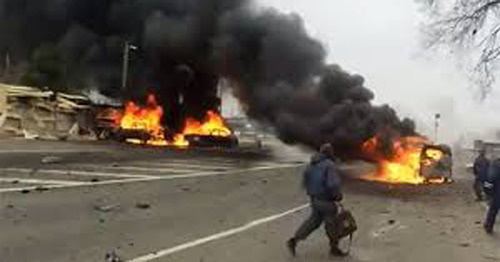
436 163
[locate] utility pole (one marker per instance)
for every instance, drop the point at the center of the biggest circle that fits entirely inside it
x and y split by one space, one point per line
7 64
437 118
126 57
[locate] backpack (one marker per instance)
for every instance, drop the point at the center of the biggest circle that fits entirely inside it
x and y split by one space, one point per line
346 225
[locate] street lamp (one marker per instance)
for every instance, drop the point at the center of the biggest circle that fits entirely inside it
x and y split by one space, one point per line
126 55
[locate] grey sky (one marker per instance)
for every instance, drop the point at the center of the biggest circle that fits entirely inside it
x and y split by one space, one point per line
380 39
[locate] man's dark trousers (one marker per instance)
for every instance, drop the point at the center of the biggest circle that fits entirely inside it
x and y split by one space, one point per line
492 214
322 211
478 188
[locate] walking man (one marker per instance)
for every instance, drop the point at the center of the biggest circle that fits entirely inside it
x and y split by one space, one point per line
492 187
480 170
322 182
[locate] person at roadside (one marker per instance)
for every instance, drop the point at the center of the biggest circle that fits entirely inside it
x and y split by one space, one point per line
321 180
480 170
492 188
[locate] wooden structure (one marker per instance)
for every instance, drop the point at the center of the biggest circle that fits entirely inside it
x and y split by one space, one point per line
35 113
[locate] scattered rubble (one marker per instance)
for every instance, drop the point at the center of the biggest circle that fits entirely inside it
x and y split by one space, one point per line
143 206
41 189
106 209
51 160
465 244
112 257
30 135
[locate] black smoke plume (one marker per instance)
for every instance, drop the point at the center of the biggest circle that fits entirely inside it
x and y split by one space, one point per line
277 70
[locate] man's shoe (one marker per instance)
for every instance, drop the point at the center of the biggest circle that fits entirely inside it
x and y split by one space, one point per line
489 230
336 252
291 244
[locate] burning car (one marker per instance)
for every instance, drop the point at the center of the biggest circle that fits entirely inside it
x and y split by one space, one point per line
216 139
436 163
212 132
105 121
414 160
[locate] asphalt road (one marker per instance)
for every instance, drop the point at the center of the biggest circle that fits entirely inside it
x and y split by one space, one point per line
62 202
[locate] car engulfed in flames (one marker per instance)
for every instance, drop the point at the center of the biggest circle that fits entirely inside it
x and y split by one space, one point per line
143 125
413 160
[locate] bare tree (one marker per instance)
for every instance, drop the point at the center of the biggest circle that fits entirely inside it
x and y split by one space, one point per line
472 25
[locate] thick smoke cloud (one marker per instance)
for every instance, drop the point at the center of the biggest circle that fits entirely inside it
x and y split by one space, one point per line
186 46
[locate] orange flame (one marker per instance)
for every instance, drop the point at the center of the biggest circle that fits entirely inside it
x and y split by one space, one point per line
213 125
148 119
404 166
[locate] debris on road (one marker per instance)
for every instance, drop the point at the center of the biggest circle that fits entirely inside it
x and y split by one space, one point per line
112 257
94 180
51 160
107 208
143 206
30 135
25 191
465 244
41 188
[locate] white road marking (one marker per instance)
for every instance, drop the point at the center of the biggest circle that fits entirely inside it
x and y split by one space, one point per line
218 161
40 181
224 234
51 151
136 168
139 179
73 173
181 165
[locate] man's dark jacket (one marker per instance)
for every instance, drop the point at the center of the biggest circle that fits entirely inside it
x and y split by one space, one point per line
322 179
480 168
492 184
